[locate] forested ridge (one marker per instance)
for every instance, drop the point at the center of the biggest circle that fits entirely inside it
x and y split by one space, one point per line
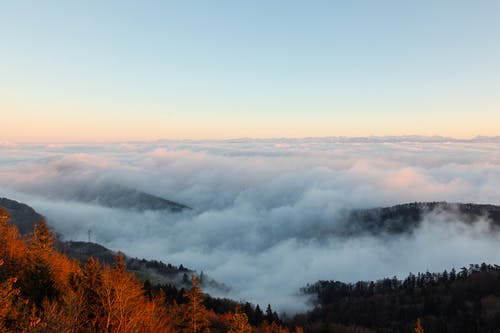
467 300
405 218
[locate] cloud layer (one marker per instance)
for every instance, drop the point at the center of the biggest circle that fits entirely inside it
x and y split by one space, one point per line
264 209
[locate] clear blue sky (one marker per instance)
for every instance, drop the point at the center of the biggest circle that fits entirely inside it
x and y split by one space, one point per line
126 70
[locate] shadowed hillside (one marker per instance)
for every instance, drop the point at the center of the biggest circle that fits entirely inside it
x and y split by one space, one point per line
463 301
407 217
117 196
22 216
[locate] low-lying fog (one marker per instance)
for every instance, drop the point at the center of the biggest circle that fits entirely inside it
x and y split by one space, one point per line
262 208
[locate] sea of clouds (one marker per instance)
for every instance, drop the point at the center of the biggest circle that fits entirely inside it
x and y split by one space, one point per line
263 210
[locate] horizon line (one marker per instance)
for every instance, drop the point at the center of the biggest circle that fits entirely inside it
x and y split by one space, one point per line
407 137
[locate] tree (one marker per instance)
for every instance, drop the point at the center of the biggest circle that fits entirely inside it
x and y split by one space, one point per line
194 314
259 316
239 323
271 316
299 329
43 238
42 277
89 285
273 327
41 290
12 248
122 300
15 313
418 327
4 216
8 295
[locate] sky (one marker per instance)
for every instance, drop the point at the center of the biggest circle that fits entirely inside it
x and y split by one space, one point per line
99 71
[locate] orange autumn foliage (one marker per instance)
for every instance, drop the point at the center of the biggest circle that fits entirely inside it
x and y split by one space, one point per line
42 290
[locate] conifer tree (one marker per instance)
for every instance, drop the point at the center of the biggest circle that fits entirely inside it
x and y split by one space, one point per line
418 327
15 314
89 288
43 238
258 316
271 316
12 248
299 329
194 314
38 280
7 297
4 216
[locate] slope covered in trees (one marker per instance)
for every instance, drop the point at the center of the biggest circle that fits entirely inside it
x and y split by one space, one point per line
407 217
42 290
24 218
463 301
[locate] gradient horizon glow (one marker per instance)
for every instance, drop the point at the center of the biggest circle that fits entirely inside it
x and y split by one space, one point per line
122 70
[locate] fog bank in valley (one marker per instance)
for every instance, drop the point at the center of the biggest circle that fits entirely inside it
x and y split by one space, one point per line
265 211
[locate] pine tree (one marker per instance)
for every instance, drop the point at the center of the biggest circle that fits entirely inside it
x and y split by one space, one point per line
7 297
259 316
89 290
38 280
43 238
299 329
269 314
4 216
418 327
15 314
194 314
12 247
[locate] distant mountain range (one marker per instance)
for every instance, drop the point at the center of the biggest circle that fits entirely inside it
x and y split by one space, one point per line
364 139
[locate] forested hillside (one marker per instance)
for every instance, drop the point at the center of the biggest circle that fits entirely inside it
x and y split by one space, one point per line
405 218
42 290
463 301
25 217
